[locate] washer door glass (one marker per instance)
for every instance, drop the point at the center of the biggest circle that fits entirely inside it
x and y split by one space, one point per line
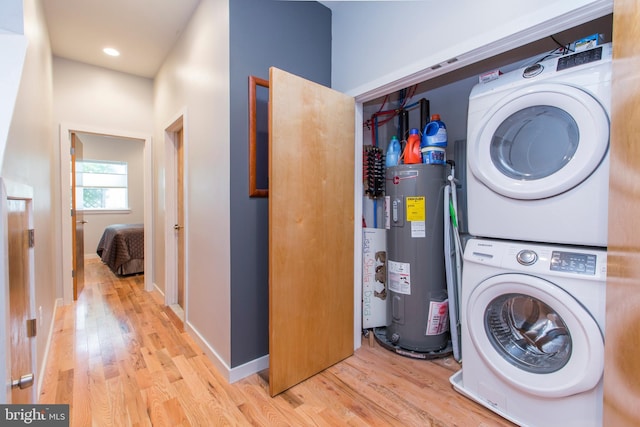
534 335
528 332
539 141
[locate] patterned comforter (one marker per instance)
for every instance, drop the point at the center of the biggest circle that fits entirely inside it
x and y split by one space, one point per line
120 244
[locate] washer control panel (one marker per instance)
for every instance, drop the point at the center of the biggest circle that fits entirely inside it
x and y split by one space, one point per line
538 259
572 262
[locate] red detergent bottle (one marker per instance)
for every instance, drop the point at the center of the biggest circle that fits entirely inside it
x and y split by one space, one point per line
412 152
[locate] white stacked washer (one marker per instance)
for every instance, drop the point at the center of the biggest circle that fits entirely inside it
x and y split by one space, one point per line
533 284
538 152
532 332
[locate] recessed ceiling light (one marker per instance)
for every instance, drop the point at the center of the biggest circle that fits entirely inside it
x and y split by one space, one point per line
111 51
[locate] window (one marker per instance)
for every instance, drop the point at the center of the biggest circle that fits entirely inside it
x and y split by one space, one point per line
101 185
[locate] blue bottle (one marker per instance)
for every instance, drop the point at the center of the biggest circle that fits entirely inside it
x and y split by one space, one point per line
392 156
435 133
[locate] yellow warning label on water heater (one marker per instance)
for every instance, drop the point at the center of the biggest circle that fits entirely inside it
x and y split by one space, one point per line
416 210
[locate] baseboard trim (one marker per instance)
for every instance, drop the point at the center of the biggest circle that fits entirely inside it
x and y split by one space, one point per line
211 354
230 374
158 289
249 368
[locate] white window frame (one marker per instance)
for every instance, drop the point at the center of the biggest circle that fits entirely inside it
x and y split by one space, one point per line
125 209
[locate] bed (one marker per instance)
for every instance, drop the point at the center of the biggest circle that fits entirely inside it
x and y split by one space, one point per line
121 248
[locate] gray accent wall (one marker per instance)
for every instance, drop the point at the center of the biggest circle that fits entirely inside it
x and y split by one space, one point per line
295 37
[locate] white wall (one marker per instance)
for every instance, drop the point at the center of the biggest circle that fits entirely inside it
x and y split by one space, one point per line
99 147
102 98
13 47
12 17
195 79
376 43
28 161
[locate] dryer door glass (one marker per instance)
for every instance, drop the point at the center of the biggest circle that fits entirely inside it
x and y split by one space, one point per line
539 141
528 333
534 142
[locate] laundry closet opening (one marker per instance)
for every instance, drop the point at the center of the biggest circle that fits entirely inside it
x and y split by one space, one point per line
417 170
398 117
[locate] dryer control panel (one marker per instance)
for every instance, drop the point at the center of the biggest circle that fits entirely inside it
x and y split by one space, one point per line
580 58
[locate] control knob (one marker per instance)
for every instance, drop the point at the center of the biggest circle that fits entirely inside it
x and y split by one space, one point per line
527 257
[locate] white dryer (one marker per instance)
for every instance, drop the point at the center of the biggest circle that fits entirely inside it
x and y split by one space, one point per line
538 151
533 331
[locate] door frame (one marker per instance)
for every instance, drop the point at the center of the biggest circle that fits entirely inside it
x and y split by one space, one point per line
13 190
78 218
66 129
179 121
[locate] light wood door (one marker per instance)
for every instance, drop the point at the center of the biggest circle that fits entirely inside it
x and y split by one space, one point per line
19 297
180 215
311 209
622 335
77 229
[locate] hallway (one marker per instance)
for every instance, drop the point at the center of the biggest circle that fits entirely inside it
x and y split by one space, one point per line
119 358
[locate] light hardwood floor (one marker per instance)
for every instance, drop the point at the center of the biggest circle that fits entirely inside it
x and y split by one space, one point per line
120 358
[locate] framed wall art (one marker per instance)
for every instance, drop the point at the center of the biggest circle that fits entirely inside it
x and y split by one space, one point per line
258 137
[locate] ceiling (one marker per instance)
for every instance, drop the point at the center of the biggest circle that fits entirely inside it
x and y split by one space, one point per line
144 31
